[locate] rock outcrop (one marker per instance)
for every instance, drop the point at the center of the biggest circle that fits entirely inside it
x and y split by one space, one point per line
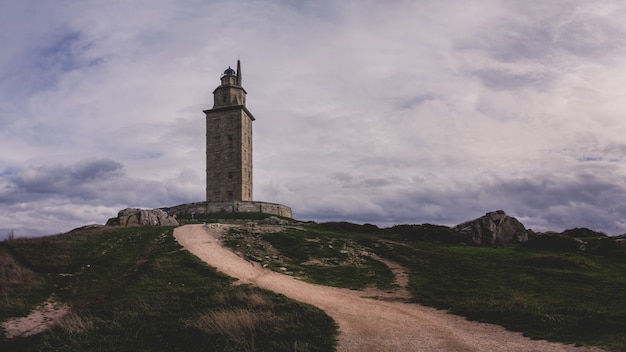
493 228
142 217
274 220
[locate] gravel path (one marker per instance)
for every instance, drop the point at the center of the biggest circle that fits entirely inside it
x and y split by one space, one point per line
365 324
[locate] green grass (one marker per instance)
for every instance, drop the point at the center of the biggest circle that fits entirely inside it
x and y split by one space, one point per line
134 289
567 297
315 255
20 288
561 295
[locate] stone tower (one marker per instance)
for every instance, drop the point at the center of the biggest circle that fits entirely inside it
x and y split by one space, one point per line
229 142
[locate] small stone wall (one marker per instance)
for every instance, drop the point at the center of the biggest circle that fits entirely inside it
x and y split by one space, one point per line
230 207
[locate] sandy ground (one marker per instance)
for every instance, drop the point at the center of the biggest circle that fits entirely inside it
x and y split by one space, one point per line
40 319
365 324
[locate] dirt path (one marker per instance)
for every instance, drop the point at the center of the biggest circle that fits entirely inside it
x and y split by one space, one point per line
402 280
365 324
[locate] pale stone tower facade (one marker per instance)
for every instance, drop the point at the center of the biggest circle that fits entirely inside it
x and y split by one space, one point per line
229 142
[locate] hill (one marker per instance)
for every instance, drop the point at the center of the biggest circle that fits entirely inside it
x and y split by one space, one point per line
571 294
134 289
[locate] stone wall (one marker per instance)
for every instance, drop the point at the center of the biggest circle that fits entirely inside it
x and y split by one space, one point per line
230 207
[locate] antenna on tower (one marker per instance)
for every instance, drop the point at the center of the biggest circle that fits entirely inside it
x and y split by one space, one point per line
238 72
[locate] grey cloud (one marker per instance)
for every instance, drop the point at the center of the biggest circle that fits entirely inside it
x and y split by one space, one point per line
383 112
342 177
35 182
47 199
538 31
522 44
63 53
500 79
410 103
592 149
545 202
41 68
377 182
565 201
612 152
590 36
546 192
92 170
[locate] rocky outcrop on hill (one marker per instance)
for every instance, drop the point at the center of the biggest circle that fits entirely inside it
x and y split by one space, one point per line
274 220
493 228
142 217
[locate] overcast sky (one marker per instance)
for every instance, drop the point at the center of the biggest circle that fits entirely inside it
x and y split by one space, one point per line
384 112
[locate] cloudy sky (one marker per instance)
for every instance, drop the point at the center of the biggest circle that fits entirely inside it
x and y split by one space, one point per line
384 112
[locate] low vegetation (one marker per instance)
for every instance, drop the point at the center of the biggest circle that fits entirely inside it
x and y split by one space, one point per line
134 289
565 297
316 255
569 293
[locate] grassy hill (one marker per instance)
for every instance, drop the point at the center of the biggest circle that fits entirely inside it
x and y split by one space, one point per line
560 292
134 289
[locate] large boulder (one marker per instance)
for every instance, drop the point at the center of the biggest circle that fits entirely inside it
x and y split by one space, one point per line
493 228
142 217
274 220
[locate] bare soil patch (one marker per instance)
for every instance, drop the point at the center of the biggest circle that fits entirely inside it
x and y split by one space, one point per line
40 319
365 324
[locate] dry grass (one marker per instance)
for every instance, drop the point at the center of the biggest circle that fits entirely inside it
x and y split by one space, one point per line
253 317
13 275
255 300
74 324
239 324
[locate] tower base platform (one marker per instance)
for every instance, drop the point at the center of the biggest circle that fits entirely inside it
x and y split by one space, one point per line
230 207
